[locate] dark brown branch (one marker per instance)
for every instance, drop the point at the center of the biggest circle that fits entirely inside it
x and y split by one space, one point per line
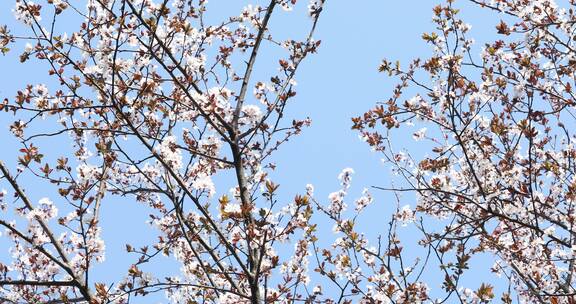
37 283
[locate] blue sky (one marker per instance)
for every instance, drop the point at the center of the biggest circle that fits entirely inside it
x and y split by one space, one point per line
339 82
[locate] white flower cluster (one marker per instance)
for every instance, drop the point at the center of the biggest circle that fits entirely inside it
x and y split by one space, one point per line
314 7
170 152
44 211
22 12
406 215
251 115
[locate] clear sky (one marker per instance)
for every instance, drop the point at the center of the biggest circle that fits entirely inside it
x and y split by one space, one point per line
339 82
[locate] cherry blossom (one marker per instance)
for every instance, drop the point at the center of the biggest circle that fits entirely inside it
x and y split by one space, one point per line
154 102
497 163
165 104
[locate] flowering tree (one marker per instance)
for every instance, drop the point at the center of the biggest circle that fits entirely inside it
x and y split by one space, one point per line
499 173
159 101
